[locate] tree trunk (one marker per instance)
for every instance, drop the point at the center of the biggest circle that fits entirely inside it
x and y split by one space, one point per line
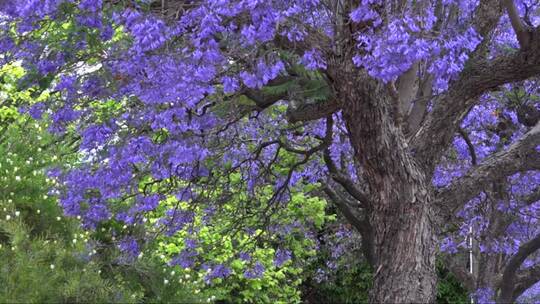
400 211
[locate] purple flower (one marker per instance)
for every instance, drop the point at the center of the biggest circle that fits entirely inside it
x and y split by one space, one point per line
244 256
313 60
256 272
219 271
185 259
129 246
230 85
36 110
281 257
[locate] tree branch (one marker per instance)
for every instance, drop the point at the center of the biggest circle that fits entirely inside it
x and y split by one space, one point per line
406 89
435 136
470 146
344 181
360 224
522 34
509 274
312 111
520 156
533 197
525 279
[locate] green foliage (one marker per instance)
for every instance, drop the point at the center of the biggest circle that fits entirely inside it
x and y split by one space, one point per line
350 285
449 290
41 270
45 256
216 243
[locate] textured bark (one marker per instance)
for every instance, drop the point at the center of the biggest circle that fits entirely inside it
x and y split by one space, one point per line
525 279
521 156
399 212
312 111
510 271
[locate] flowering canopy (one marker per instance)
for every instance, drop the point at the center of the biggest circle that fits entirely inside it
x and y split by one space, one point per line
170 101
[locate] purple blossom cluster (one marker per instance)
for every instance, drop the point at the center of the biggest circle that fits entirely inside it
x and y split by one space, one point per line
163 83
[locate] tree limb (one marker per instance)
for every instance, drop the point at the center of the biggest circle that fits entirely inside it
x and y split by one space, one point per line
521 31
362 225
470 146
344 181
434 137
509 274
312 111
525 279
533 197
520 156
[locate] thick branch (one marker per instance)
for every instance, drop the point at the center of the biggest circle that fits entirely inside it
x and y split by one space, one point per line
525 279
523 36
533 197
442 123
312 111
406 89
262 100
520 156
344 181
509 274
361 224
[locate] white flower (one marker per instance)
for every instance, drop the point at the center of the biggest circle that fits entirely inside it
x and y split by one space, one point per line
74 241
17 213
38 211
173 273
52 266
18 178
58 218
8 217
165 281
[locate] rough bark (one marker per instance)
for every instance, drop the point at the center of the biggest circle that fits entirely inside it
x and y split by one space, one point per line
525 279
510 271
399 210
521 156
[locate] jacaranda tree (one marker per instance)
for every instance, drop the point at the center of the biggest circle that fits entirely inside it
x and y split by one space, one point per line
371 101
